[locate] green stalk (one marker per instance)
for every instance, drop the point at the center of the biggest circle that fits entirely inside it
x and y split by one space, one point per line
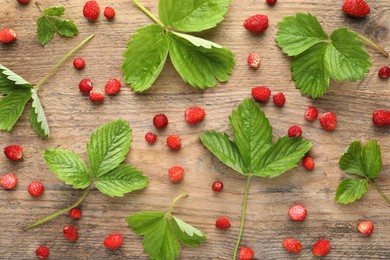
146 11
52 216
379 190
243 213
373 44
170 209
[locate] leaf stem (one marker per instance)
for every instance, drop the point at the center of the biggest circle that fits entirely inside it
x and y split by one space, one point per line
50 217
170 209
378 189
54 69
243 213
373 44
146 11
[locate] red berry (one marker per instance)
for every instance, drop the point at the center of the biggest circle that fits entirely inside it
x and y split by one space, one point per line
91 10
381 117
79 63
292 246
328 121
42 252
257 23
113 241
35 189
366 227
311 113
75 213
109 12
194 115
222 223
160 121
321 247
7 35
70 233
217 186
174 142
96 96
297 212
261 93
279 99
294 131
308 163
271 2
176 174
356 8
9 181
245 253
13 152
150 137
254 60
384 72
85 86
113 86
24 2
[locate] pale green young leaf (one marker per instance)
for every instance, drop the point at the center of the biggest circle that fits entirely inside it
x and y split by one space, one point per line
187 234
68 167
145 57
192 16
39 121
144 221
350 190
55 11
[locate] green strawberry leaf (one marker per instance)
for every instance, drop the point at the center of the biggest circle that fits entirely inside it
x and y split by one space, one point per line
38 119
144 221
186 233
55 11
350 190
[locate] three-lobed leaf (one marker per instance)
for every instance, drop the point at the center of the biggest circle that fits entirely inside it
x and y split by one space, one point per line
350 190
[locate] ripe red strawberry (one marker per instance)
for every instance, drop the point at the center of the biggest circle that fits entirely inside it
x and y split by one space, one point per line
311 113
381 117
194 115
35 189
257 23
297 212
366 227
174 142
91 10
271 2
42 252
384 72
245 253
294 131
96 96
75 213
292 246
113 86
321 247
150 137
160 121
217 186
7 35
109 12
79 63
222 223
356 8
308 163
279 99
261 93
8 181
85 86
13 152
254 60
328 121
176 174
70 233
113 241
24 2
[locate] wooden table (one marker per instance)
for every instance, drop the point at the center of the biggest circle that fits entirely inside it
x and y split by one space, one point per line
72 118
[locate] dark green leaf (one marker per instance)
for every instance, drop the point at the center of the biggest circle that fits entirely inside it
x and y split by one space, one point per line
145 221
55 11
45 31
350 190
66 28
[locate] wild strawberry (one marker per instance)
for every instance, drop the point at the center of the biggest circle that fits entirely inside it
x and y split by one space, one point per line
261 93
35 189
222 223
174 142
113 241
292 246
9 181
109 12
42 252
75 213
96 96
384 72
150 137
328 121
257 23
91 10
24 2
245 253
381 117
176 174
13 152
271 2
113 86
297 212
254 60
366 227
7 35
70 233
356 8
308 163
85 86
294 131
194 115
217 186
311 113
79 63
321 247
279 99
160 121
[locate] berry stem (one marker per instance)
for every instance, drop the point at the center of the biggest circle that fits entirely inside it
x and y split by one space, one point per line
146 11
373 44
54 69
50 217
378 189
170 209
243 213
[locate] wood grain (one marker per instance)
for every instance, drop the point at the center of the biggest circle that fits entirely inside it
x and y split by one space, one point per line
72 118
